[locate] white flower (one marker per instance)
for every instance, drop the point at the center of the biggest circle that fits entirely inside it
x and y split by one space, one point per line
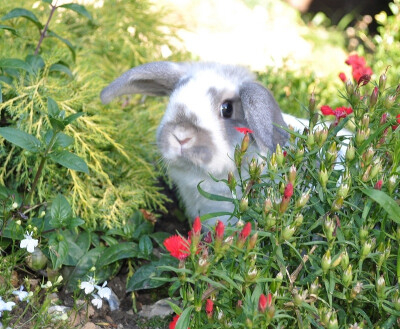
97 301
88 285
21 294
47 285
5 306
103 291
29 243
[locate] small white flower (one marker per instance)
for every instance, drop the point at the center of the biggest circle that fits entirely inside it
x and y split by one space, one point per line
5 306
88 285
21 294
29 243
47 285
103 291
97 301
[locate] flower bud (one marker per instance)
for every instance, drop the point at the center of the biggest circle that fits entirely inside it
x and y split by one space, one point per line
356 290
252 241
273 165
389 101
292 174
231 181
325 315
238 157
374 97
310 140
366 248
244 204
279 155
311 104
343 190
363 233
365 121
337 204
251 274
323 177
321 136
391 183
337 260
367 156
347 276
382 82
396 301
331 154
378 185
314 287
349 87
276 284
376 168
350 153
366 176
302 201
333 322
298 220
270 221
299 154
345 260
209 308
326 261
361 136
245 143
380 287
288 232
329 228
267 206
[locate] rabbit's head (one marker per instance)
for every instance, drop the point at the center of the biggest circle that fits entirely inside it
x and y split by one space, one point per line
197 134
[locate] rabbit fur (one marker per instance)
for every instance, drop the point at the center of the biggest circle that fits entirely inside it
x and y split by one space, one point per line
197 135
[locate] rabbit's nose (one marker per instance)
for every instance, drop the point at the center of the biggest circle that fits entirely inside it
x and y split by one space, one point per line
183 141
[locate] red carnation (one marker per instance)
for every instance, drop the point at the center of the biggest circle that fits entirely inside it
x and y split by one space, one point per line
359 67
219 230
394 127
342 77
243 130
175 319
245 232
288 191
262 303
378 185
197 226
339 112
177 246
209 308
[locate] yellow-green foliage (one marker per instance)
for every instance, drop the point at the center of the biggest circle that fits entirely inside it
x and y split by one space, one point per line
116 141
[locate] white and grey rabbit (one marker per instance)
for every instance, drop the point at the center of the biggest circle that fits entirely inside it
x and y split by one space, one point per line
197 134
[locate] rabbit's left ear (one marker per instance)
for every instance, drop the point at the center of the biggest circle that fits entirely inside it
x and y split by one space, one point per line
261 111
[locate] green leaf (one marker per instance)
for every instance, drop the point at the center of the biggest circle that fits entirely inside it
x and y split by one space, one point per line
60 211
82 269
9 28
57 125
52 107
145 278
184 319
68 44
61 68
70 161
73 117
174 307
211 196
1 95
21 12
78 246
159 237
58 250
15 63
48 1
78 9
385 201
145 245
117 252
36 62
75 222
21 139
62 140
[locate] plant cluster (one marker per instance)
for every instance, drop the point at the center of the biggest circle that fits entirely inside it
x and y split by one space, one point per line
322 248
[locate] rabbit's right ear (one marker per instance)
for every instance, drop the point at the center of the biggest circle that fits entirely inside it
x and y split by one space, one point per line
155 79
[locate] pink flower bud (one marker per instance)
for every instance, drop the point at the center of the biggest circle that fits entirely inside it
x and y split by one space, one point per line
196 226
378 185
209 308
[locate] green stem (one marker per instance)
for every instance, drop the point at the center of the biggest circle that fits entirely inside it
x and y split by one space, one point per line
29 196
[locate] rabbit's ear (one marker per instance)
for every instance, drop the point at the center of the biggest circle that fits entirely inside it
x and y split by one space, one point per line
156 79
261 112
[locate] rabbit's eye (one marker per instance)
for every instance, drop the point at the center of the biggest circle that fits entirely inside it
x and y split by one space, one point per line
227 109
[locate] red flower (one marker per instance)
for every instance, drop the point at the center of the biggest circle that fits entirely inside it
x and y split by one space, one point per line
342 77
364 79
394 127
177 246
288 191
219 230
209 307
378 185
339 112
175 319
264 302
208 237
243 130
359 67
245 232
196 226
172 324
284 154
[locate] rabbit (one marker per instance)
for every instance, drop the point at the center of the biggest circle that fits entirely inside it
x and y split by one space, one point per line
197 136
